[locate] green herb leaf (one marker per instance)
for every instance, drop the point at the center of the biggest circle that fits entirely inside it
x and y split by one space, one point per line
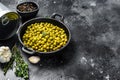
8 65
21 69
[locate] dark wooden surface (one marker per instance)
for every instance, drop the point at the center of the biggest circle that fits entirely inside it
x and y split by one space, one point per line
94 51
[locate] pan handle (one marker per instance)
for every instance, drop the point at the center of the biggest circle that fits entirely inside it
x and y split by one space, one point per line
55 15
5 20
27 51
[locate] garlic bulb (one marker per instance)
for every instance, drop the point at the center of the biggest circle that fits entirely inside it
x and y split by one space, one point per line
5 54
34 59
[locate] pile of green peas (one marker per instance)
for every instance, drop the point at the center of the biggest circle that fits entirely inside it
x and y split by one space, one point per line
44 37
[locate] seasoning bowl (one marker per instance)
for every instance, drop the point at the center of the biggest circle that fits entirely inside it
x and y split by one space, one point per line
27 10
53 20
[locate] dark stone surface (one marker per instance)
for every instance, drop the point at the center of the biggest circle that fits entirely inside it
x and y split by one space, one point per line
94 51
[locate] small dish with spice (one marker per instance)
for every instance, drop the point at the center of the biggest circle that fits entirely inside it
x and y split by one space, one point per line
27 10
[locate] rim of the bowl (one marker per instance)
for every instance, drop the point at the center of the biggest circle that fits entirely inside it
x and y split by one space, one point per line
44 52
28 2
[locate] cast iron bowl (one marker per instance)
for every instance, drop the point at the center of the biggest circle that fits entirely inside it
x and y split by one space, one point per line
52 20
28 14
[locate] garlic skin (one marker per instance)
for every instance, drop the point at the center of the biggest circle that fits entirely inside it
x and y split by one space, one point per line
5 54
34 59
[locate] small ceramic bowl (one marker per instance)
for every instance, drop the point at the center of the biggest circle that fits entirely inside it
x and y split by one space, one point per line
27 10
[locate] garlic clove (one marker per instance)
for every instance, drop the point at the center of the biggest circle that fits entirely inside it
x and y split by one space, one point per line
7 59
2 60
6 55
0 53
34 59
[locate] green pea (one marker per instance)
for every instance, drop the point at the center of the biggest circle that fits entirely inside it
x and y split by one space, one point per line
44 37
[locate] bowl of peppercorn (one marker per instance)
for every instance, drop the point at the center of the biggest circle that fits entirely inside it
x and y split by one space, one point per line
27 10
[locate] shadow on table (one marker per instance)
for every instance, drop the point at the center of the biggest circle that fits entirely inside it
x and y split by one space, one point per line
59 59
9 42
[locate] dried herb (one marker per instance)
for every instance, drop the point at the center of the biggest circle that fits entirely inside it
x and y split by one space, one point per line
26 7
8 65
